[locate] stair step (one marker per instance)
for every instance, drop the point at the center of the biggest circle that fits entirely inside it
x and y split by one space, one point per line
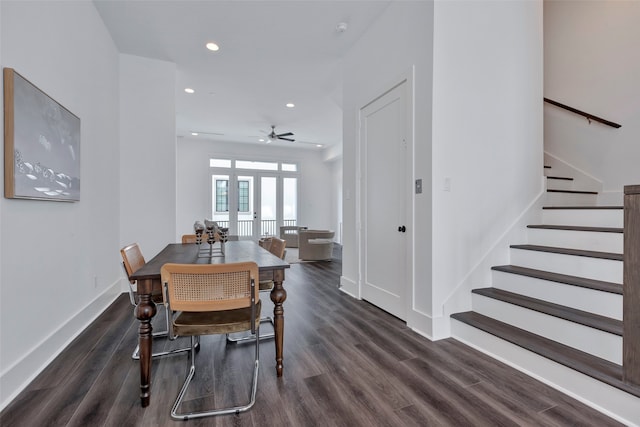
595 296
595 265
587 364
547 167
583 207
558 197
572 191
583 282
560 177
592 216
591 320
606 239
577 228
568 251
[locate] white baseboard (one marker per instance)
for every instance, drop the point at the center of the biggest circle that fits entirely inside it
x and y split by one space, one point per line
349 287
18 376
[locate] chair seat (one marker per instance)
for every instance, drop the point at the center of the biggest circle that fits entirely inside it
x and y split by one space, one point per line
221 322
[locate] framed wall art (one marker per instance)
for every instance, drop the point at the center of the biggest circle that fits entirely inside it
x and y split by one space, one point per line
41 144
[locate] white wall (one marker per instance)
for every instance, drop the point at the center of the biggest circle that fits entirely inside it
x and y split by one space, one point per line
148 153
59 261
592 63
400 40
487 135
316 188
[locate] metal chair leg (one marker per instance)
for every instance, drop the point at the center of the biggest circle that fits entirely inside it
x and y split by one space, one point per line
163 334
232 410
249 337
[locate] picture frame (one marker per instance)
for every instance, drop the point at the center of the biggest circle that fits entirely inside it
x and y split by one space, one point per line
41 144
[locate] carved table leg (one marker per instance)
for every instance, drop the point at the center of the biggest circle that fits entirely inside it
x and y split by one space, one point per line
278 296
144 311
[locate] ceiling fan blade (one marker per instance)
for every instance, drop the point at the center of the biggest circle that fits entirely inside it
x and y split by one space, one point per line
286 139
285 134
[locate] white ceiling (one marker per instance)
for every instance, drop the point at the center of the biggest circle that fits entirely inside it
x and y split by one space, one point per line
271 53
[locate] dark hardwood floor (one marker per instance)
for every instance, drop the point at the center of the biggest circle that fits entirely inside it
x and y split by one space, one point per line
347 363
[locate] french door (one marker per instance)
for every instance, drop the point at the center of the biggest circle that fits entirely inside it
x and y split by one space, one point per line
253 205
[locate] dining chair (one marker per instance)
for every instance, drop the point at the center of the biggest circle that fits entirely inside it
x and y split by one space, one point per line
209 299
132 260
189 238
276 247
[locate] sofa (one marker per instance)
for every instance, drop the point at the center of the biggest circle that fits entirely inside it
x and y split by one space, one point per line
289 233
315 245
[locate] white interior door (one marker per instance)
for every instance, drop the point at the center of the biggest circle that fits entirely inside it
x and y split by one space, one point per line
384 163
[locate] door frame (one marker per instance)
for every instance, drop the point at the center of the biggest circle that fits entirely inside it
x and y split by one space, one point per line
407 78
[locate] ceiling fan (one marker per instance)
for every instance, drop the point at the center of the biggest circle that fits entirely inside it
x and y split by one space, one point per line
274 136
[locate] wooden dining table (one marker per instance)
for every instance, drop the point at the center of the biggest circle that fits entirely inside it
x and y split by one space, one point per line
148 281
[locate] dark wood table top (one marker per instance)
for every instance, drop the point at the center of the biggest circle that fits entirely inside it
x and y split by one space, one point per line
191 253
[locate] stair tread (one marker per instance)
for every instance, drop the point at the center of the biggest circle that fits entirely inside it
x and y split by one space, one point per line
577 228
584 207
565 178
582 282
581 317
572 191
568 251
585 363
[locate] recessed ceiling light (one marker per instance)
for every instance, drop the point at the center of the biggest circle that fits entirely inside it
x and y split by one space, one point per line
319 145
290 105
194 133
189 90
261 140
213 46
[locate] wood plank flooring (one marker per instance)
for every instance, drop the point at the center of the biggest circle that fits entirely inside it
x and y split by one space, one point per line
347 363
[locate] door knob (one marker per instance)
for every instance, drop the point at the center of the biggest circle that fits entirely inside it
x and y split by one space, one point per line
402 229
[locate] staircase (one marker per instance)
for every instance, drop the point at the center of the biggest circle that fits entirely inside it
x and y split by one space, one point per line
555 312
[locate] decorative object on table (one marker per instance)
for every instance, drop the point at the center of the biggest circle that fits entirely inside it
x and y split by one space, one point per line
41 144
213 233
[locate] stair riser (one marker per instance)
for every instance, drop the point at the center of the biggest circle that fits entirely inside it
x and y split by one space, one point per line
610 400
584 217
594 301
591 268
586 240
559 184
570 199
593 341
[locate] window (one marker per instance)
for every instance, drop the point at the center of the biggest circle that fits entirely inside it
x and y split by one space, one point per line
222 195
243 196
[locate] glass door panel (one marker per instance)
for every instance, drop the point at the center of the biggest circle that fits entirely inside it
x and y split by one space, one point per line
290 201
268 206
220 199
246 207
